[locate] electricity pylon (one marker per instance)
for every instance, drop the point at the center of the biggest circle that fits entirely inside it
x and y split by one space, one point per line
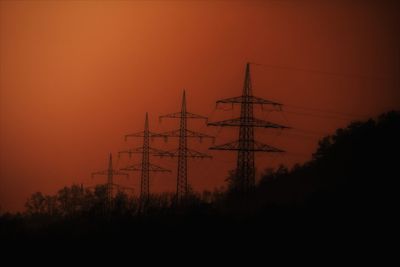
145 166
244 179
110 172
183 152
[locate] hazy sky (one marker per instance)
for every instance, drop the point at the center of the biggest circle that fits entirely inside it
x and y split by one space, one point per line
76 76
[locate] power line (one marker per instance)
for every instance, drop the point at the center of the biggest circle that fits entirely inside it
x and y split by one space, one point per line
317 115
310 132
322 72
352 115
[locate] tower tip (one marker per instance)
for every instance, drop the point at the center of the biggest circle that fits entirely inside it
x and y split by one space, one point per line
184 95
146 122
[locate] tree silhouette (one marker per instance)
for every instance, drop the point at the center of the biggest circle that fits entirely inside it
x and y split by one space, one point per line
37 204
353 172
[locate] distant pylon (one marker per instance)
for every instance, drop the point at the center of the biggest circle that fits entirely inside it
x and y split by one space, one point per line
244 179
183 152
145 167
110 172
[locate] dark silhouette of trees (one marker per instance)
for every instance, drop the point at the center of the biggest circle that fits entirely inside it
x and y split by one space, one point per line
352 173
353 169
36 204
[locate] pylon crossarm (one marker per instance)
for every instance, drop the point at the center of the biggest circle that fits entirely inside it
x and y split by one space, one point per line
195 116
139 167
253 122
140 150
170 154
138 134
178 115
252 146
199 135
153 135
248 100
174 133
175 115
155 151
135 167
155 168
142 134
188 133
196 154
260 147
131 151
189 153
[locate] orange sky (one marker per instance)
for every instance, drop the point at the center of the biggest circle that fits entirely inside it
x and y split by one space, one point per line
75 77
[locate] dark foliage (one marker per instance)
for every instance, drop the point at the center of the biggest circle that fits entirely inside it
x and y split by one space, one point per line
349 182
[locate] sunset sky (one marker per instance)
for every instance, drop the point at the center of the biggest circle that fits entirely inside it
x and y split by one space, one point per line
75 77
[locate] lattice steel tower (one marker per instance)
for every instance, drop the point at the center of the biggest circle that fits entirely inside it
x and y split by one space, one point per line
183 152
244 179
110 172
145 166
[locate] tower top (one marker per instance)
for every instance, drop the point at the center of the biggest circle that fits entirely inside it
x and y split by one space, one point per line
110 162
247 91
183 109
146 122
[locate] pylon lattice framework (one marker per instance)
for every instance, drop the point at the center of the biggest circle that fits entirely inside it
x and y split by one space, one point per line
110 173
145 167
244 179
183 152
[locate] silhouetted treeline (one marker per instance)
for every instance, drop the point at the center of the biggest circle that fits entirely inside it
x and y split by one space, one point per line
353 170
352 175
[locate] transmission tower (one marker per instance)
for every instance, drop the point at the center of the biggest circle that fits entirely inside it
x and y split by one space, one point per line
183 152
110 172
145 167
244 179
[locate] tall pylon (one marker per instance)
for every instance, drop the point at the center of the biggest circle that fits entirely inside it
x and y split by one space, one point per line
244 179
183 152
110 172
145 167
